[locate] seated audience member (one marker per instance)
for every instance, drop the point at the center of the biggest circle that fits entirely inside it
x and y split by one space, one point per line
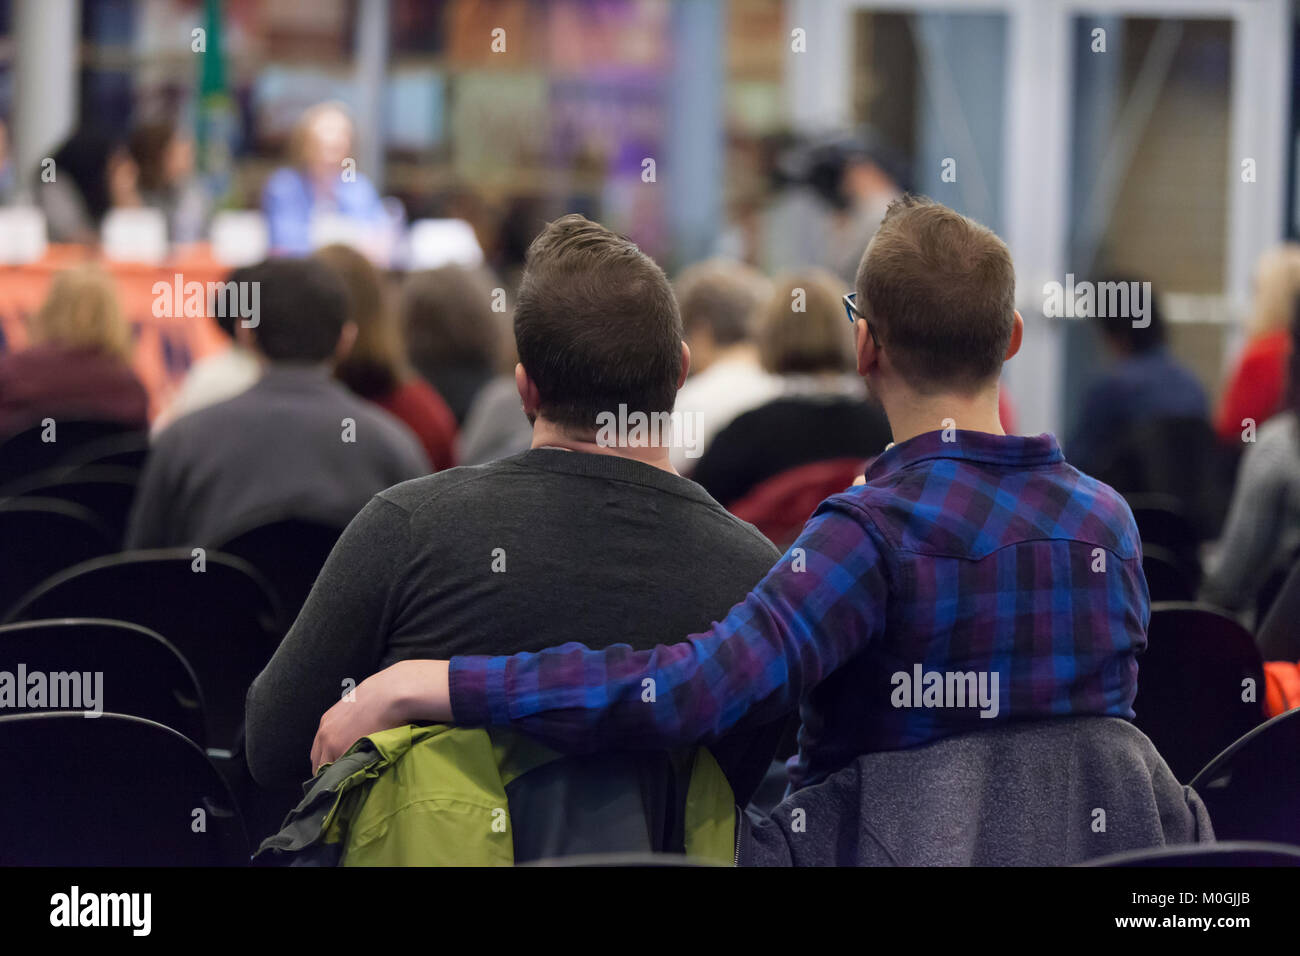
376 368
8 181
452 333
496 426
720 301
94 173
572 539
165 158
314 182
1143 383
78 364
1256 389
1262 531
823 413
966 552
297 442
217 377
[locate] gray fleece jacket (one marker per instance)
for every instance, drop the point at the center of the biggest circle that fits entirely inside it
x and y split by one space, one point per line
1038 793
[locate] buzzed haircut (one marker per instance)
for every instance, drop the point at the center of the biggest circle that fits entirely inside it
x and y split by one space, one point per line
596 325
722 297
939 291
302 310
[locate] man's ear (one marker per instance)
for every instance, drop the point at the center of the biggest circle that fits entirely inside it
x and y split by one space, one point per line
686 364
529 397
868 354
1017 335
347 339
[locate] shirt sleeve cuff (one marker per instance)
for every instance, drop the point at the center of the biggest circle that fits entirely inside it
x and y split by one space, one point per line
477 687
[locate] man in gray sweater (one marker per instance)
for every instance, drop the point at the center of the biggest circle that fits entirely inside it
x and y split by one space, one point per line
590 535
297 443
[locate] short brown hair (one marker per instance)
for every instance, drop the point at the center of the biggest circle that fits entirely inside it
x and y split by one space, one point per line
722 296
376 363
939 291
447 319
596 325
803 328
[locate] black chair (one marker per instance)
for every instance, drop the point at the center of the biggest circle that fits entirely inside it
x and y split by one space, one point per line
1190 684
222 619
1178 457
1168 579
1235 853
42 536
142 674
289 552
26 452
1163 522
1252 789
129 450
106 490
111 791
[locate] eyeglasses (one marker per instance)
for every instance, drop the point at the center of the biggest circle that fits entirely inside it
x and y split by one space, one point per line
851 310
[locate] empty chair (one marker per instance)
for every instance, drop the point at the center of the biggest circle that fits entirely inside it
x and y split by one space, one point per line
105 490
215 609
27 452
1192 684
1177 457
1252 789
42 536
140 673
289 552
1168 579
111 791
1233 853
1162 522
128 449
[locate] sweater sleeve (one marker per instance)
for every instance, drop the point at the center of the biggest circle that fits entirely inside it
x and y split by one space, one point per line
339 636
1255 518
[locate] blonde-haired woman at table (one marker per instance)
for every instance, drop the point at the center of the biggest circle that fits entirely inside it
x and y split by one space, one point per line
78 363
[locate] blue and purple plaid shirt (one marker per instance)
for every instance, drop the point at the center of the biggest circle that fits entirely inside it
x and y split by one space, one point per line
985 555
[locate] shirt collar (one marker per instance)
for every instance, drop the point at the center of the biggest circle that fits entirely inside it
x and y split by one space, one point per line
1013 450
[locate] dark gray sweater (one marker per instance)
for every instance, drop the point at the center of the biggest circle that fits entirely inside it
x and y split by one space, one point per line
1032 793
531 551
281 448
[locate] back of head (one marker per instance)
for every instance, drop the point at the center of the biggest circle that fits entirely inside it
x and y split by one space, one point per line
721 298
302 308
803 328
372 367
82 311
939 291
1277 283
447 319
1116 324
148 145
596 325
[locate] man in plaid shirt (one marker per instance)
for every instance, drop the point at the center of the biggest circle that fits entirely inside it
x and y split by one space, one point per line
974 577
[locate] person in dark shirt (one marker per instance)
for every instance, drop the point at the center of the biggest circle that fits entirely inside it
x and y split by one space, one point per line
824 413
78 365
1144 383
297 443
576 538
